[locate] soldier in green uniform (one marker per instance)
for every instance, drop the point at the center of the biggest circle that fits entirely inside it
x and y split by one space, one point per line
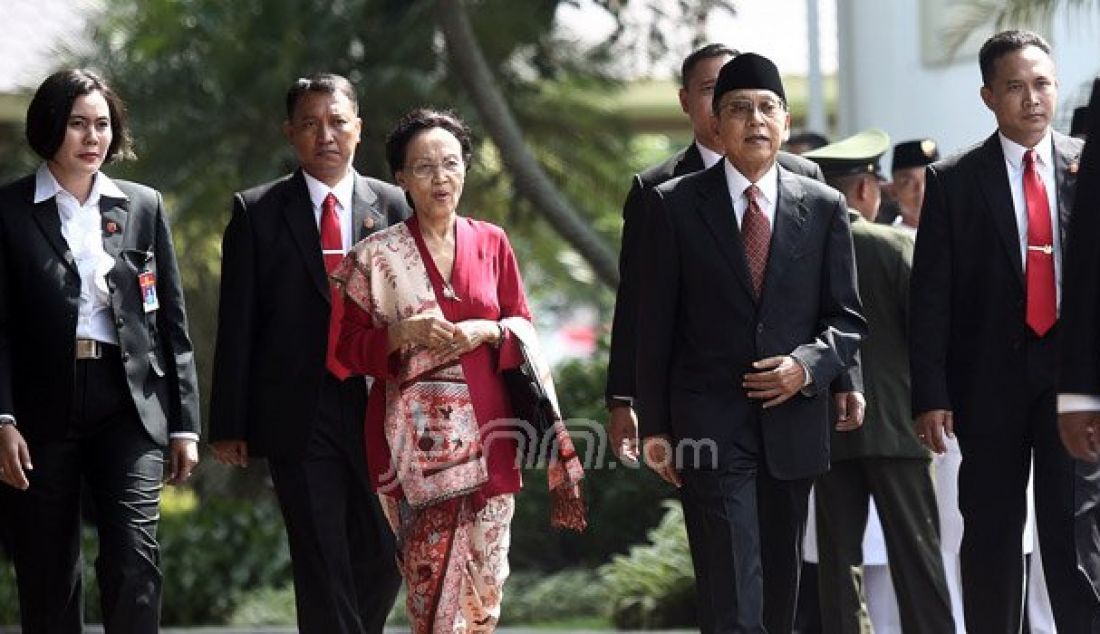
882 460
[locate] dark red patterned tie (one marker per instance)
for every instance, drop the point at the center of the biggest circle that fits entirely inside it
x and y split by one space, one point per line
332 248
1041 298
756 233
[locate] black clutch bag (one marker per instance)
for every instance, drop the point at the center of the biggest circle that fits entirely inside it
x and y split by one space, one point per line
532 406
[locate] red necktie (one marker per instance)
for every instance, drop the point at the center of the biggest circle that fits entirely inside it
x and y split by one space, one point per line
332 248
1041 297
756 233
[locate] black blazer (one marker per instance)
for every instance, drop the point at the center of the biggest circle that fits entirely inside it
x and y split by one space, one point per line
273 315
40 298
621 360
700 329
968 292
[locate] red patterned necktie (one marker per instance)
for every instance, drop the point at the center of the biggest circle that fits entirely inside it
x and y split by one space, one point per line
1041 299
756 233
332 248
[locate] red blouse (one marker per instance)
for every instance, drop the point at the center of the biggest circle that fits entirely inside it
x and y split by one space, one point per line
486 284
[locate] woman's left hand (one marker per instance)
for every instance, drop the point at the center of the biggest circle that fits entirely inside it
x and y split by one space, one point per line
472 333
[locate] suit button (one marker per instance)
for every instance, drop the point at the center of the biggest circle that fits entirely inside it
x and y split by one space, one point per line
125 356
119 322
760 328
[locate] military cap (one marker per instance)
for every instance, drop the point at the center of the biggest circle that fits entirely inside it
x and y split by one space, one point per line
1080 123
916 153
748 71
857 154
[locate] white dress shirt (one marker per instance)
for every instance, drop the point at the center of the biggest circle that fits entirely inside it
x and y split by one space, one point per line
900 225
318 191
1014 162
82 228
769 192
768 185
710 157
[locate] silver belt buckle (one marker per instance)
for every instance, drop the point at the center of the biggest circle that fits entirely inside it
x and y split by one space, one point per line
88 349
1046 249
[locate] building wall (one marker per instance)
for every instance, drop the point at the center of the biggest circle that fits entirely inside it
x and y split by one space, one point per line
885 81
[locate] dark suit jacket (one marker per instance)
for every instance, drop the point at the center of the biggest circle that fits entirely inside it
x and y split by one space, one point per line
700 329
621 361
40 297
273 316
968 293
884 259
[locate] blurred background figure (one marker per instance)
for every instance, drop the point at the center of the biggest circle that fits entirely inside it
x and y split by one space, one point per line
1079 125
804 142
883 460
907 172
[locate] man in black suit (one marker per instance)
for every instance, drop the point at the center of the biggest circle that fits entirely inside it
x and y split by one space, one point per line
277 390
749 313
98 394
1079 371
984 335
697 76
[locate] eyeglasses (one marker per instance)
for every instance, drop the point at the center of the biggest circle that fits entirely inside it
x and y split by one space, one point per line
744 109
450 167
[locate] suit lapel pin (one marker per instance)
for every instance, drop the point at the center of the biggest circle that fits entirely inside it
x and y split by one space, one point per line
111 227
1072 169
368 222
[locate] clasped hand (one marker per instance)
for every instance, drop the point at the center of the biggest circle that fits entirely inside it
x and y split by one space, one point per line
778 379
436 333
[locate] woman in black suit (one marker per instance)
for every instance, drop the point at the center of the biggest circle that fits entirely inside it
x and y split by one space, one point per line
97 378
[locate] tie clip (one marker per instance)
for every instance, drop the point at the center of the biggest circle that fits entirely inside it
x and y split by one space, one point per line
1045 248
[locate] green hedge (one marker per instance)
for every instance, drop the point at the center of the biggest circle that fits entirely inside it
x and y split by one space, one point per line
654 586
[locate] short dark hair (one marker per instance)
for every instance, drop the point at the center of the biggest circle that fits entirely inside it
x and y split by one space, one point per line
710 51
418 120
1003 43
49 110
327 83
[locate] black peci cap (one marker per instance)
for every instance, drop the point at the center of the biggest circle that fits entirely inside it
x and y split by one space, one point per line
748 71
916 153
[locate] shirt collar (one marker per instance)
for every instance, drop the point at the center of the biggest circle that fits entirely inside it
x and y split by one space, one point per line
1014 152
768 183
709 156
318 190
46 187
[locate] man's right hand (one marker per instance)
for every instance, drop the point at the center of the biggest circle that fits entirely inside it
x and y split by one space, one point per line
931 427
622 429
231 452
1080 432
15 458
659 456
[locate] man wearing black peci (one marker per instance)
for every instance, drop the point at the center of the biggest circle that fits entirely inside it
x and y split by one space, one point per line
748 314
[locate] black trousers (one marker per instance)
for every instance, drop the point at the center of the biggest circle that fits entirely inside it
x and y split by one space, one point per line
992 484
110 454
782 506
903 493
341 548
745 530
